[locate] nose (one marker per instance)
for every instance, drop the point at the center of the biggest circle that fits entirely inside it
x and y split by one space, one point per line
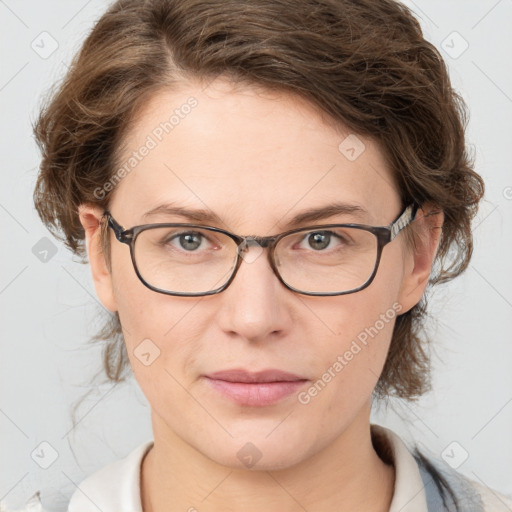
254 304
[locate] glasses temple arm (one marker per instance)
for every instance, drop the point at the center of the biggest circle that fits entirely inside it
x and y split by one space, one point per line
407 216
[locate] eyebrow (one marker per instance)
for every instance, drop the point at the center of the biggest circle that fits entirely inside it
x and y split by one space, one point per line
306 216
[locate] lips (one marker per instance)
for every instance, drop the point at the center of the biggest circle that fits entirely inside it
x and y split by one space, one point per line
239 375
262 388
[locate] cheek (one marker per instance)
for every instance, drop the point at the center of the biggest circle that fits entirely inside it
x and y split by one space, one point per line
162 341
357 333
144 313
350 366
152 323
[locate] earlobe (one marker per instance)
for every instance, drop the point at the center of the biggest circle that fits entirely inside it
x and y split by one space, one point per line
428 228
90 218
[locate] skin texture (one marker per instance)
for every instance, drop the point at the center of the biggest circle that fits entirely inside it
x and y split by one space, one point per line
256 159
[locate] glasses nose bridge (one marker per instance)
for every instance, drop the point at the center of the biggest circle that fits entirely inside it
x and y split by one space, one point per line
263 242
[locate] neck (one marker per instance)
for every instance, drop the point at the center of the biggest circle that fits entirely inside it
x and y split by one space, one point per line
348 475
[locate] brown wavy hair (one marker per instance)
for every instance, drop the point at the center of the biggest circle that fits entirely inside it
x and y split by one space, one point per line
363 64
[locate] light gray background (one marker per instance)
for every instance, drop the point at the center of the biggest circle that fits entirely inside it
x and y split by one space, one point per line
49 309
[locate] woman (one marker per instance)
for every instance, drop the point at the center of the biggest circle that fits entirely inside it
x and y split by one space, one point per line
263 190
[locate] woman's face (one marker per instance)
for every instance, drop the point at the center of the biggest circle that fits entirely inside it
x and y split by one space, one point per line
255 160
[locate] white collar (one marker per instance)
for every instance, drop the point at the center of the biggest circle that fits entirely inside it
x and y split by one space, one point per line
116 486
409 493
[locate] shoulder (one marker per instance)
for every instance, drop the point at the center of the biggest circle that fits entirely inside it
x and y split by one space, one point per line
114 487
493 500
426 483
459 492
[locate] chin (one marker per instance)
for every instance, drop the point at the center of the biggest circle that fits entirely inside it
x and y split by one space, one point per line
256 453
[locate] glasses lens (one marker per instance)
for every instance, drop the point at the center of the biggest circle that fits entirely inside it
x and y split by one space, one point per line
333 260
184 259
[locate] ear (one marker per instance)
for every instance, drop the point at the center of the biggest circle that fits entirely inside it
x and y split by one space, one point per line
419 257
90 218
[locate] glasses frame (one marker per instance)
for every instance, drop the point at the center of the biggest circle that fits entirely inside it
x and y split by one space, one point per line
384 235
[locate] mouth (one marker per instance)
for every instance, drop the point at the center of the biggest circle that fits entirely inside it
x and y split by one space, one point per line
262 388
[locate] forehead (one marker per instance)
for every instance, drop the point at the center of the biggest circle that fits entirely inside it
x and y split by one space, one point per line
250 156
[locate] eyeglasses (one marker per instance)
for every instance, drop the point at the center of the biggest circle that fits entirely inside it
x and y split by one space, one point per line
192 260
